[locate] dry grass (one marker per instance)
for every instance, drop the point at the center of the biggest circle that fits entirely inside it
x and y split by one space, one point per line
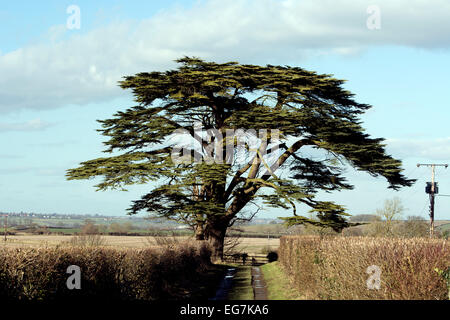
335 267
86 240
256 245
249 245
38 241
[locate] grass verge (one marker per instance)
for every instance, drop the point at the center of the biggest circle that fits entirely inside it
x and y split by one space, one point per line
278 285
242 284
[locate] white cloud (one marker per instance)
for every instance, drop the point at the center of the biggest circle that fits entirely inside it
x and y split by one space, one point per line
32 125
432 149
73 68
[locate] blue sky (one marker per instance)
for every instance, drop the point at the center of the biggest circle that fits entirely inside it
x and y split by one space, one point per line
56 82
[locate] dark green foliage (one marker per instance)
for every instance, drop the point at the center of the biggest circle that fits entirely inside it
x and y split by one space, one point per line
312 111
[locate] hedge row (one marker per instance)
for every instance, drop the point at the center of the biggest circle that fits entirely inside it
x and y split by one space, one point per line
106 273
338 267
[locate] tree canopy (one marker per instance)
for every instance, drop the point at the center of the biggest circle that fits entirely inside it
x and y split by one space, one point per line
298 130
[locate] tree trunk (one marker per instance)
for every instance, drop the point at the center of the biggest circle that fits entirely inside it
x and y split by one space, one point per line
215 235
199 232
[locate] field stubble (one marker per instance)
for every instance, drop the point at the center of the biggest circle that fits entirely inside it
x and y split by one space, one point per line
248 245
